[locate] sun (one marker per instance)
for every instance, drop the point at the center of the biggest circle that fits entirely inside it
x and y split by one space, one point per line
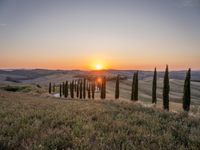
99 67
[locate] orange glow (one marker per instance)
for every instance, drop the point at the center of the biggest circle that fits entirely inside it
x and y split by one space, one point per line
92 62
98 80
99 67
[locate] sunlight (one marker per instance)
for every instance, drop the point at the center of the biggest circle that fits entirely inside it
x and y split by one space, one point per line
99 67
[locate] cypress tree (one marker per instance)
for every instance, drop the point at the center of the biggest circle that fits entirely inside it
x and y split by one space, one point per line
63 86
104 96
103 88
77 90
66 89
84 88
89 96
81 89
133 86
117 87
72 89
187 92
87 85
75 86
54 89
93 89
136 87
166 89
50 88
154 87
60 90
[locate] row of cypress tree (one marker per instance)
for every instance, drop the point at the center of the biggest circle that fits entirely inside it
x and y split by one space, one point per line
77 88
82 85
166 89
186 100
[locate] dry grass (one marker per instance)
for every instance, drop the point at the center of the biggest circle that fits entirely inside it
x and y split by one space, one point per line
34 122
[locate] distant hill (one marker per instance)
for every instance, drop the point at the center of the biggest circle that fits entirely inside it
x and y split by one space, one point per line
22 74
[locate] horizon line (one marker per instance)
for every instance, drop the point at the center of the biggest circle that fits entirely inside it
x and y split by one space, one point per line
6 69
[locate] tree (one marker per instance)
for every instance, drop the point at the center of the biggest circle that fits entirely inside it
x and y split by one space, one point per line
93 89
63 86
89 95
75 86
103 88
104 95
133 86
77 90
134 92
73 89
66 89
166 89
187 92
117 87
50 88
81 89
136 87
84 88
154 87
60 90
54 88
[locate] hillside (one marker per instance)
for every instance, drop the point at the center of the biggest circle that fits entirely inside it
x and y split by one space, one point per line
44 122
43 77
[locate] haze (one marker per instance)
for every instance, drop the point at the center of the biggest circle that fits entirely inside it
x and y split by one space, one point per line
118 34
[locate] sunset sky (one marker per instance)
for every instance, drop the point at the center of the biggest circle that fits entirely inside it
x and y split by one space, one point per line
117 34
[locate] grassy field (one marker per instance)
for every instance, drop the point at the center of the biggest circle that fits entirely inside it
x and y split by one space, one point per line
30 121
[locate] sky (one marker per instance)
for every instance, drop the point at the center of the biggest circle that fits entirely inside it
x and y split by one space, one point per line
117 34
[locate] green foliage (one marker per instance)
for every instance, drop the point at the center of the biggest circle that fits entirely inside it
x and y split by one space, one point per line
54 88
103 88
133 86
93 89
84 88
72 89
117 87
136 87
166 89
60 89
66 89
81 89
88 89
187 92
50 88
134 92
77 90
10 88
63 88
154 87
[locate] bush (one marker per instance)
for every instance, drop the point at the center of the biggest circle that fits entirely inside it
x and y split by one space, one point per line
17 88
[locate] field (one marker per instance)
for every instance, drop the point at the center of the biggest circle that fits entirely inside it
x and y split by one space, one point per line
30 118
32 122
